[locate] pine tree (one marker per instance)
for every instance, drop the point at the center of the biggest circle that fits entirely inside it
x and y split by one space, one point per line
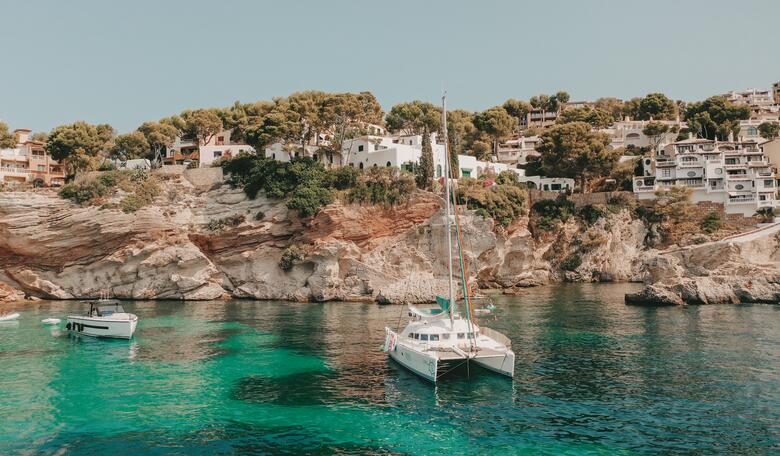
425 171
454 164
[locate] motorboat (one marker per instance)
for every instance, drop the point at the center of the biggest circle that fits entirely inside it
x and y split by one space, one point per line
9 317
51 321
106 318
437 341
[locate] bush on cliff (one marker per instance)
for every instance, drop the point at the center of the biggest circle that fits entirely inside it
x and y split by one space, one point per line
591 213
571 262
85 193
548 214
503 203
712 222
291 256
229 221
383 186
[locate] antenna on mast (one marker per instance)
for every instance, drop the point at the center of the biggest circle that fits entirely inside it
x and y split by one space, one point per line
447 192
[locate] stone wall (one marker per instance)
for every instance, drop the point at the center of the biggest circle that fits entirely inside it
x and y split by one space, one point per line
578 199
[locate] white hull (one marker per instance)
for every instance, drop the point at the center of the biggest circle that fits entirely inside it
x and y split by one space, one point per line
10 317
102 327
432 360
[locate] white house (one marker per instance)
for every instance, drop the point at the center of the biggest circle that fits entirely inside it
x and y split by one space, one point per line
517 151
628 133
736 174
187 152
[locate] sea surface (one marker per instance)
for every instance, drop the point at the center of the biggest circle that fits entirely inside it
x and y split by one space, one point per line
593 376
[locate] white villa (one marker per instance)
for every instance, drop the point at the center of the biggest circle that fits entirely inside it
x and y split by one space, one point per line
186 152
517 151
751 97
628 133
736 174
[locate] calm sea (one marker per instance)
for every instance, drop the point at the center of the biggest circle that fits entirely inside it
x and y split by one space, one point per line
594 376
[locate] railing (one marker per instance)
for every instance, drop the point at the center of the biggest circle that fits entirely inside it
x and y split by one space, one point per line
644 188
741 199
495 335
695 164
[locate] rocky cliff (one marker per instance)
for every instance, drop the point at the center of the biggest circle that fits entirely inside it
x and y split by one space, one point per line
172 249
745 268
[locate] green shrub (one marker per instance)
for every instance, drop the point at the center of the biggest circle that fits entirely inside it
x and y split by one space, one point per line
558 209
711 223
84 193
291 256
229 221
260 215
507 178
383 186
308 199
571 262
144 194
591 213
344 178
503 203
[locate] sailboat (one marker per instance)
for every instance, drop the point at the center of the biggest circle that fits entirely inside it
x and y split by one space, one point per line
437 341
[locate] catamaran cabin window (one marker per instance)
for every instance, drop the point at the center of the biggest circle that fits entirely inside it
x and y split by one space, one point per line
461 336
417 336
445 336
411 335
423 337
434 337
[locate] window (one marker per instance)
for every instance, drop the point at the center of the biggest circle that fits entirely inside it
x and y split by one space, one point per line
445 336
666 173
217 153
273 156
739 186
461 335
438 171
718 170
751 131
762 197
423 337
41 168
411 335
389 164
220 140
360 165
691 174
434 337
376 146
768 183
360 148
689 159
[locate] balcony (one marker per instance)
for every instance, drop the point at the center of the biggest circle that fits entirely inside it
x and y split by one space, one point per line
694 164
15 172
741 199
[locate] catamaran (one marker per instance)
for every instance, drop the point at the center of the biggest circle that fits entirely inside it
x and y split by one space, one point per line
437 341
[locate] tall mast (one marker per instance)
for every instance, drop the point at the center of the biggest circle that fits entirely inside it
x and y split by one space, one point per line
447 194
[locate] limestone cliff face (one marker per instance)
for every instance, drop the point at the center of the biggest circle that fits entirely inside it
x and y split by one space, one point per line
738 270
51 248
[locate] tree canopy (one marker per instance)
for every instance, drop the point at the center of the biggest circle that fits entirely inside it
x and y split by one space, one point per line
496 123
655 131
573 150
716 117
596 117
655 106
7 139
769 130
79 145
130 145
413 117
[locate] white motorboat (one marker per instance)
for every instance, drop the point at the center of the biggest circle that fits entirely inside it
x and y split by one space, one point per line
436 341
51 321
9 317
106 318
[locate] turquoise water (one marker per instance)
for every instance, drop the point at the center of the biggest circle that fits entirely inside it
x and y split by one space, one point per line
593 377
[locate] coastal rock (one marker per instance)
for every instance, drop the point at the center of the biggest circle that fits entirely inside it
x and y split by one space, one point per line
9 294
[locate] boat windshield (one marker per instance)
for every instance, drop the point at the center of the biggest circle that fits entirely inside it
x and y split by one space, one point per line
107 311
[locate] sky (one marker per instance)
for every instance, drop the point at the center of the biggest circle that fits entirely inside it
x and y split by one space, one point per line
124 63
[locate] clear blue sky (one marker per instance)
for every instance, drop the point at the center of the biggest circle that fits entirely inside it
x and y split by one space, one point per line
126 62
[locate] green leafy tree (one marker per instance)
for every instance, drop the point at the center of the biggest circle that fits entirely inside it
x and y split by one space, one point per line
598 118
7 139
573 150
614 106
130 145
769 130
518 109
80 145
204 124
425 170
496 123
655 132
656 106
414 117
159 136
39 136
716 117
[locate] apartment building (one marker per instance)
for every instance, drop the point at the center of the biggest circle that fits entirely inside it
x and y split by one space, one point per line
190 152
751 97
517 151
736 174
29 163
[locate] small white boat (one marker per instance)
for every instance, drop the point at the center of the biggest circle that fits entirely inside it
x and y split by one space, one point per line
106 318
51 321
9 317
